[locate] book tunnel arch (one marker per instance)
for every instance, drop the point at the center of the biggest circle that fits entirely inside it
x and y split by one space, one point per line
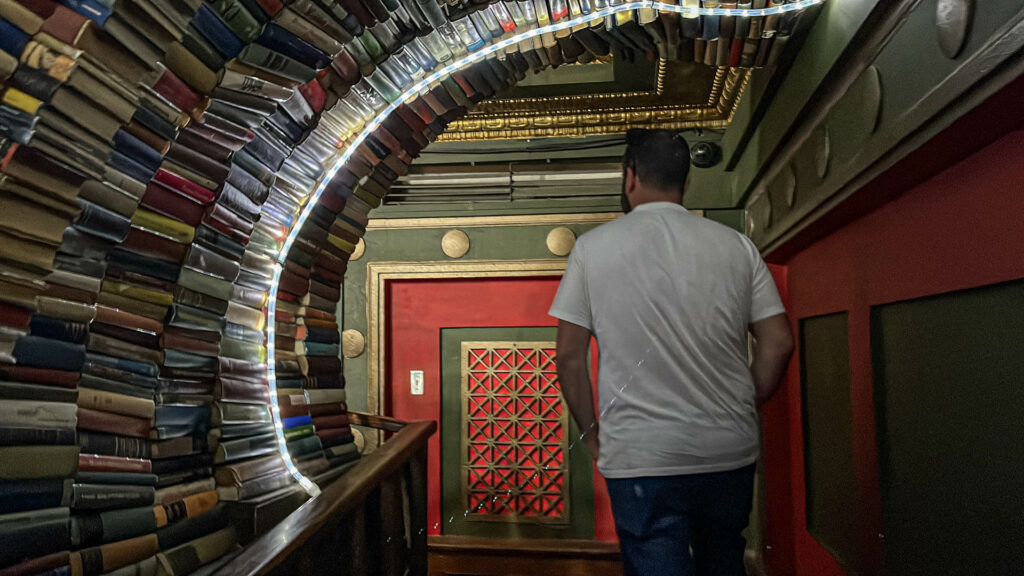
378 144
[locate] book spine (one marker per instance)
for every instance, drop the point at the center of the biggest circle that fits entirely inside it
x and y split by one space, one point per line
102 463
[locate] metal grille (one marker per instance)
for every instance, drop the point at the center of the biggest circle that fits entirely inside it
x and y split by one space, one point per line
514 425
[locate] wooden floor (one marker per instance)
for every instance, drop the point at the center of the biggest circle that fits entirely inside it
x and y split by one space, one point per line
466 556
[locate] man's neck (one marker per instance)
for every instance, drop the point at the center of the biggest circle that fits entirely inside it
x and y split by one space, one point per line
651 197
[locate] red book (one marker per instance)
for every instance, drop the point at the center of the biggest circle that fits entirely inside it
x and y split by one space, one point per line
150 244
736 52
177 92
332 421
314 94
100 463
185 186
116 317
164 200
316 410
271 7
15 317
333 432
46 376
290 411
111 423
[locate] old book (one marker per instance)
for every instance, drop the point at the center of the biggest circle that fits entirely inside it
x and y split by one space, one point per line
23 495
189 557
111 346
108 557
26 436
31 413
255 486
33 538
113 445
94 420
189 506
104 463
233 450
175 493
108 496
37 392
38 461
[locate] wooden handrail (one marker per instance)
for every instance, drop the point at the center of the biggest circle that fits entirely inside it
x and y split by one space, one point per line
340 498
376 421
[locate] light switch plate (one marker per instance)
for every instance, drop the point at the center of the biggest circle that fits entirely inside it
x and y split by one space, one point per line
416 382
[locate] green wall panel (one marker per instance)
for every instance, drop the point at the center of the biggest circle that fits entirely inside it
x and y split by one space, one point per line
949 397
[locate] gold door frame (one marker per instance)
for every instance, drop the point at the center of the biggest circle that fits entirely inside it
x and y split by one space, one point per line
379 273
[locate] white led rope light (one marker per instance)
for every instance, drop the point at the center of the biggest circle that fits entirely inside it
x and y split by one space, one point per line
416 89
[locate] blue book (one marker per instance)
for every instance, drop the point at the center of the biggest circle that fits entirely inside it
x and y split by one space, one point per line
128 166
59 329
137 150
321 349
12 39
296 421
91 9
133 262
181 415
280 40
35 494
134 366
46 353
216 32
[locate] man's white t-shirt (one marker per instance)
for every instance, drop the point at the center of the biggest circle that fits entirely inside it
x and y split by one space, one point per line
669 296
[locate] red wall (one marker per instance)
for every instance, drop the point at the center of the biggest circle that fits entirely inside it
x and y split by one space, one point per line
962 229
417 311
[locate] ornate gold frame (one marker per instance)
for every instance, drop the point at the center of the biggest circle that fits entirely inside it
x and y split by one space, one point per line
563 419
602 114
379 273
491 221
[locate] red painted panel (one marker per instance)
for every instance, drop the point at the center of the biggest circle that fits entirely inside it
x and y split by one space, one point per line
417 311
961 229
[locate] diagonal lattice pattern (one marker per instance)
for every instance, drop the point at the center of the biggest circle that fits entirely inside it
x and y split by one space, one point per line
514 464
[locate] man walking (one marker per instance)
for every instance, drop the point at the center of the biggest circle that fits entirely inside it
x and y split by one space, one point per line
670 297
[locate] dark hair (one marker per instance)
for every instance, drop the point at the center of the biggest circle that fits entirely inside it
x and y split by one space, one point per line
659 158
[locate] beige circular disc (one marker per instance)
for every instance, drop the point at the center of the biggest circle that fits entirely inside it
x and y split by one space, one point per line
359 251
561 240
455 244
352 343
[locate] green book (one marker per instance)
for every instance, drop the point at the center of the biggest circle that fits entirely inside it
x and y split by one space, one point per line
38 461
299 432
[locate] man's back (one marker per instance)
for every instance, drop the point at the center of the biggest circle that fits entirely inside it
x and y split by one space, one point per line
669 296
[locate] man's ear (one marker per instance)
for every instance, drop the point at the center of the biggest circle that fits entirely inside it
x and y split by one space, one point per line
631 181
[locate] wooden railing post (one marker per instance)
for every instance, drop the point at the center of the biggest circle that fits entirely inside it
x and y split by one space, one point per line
416 471
392 524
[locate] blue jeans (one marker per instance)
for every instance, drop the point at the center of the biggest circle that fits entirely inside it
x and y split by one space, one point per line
683 525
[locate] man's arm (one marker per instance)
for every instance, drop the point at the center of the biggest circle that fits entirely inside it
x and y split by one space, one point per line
573 343
773 346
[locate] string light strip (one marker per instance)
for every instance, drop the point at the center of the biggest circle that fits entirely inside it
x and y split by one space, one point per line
411 93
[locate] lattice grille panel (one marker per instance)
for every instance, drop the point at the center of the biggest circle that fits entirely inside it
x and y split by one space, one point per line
515 435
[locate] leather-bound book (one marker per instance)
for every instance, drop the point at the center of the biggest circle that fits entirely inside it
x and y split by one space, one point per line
97 421
115 403
108 557
189 557
173 494
239 18
17 462
105 463
264 58
106 496
242 448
